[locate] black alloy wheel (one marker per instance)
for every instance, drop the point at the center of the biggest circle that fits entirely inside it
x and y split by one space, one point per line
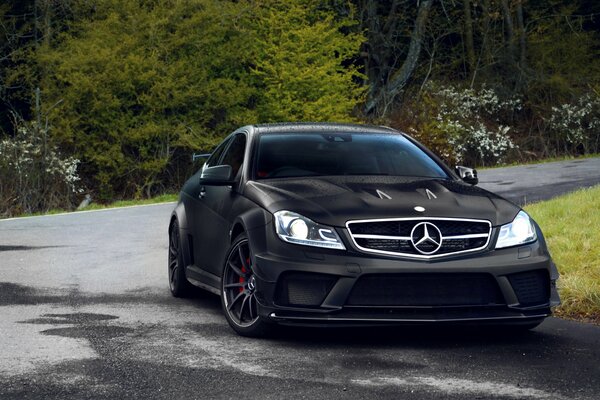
178 283
239 291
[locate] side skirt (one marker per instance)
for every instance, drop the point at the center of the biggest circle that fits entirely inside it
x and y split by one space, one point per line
203 279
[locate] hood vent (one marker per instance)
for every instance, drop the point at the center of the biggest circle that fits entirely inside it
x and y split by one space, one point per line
430 194
383 195
425 192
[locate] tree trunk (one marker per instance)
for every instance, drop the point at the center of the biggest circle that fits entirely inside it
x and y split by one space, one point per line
399 78
522 35
509 28
42 19
485 42
47 22
469 46
370 22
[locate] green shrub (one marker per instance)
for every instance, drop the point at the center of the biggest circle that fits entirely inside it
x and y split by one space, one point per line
34 176
463 125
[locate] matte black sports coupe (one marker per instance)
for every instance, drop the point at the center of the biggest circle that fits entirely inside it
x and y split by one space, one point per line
333 224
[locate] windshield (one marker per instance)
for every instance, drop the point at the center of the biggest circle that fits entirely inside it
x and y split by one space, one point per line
313 154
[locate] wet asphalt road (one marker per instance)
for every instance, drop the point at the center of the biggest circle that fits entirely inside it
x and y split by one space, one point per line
85 312
530 183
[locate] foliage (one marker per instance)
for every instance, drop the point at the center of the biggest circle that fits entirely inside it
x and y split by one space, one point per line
466 125
140 82
545 54
143 83
25 27
473 121
33 174
563 53
298 63
577 125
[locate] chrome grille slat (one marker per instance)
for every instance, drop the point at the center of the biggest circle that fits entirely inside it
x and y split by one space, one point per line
364 236
468 236
388 236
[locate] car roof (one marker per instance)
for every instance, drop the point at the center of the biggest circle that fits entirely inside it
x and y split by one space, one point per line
319 127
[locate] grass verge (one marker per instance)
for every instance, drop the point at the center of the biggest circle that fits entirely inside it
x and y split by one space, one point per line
571 226
164 198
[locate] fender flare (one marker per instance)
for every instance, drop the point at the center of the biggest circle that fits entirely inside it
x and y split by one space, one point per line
254 223
179 214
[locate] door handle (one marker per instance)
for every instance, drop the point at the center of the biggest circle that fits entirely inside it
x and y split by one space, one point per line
202 192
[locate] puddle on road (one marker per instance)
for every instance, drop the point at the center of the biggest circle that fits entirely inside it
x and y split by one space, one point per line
13 294
98 331
16 294
87 325
25 248
72 318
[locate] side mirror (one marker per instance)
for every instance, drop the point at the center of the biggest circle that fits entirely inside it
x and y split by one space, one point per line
469 175
219 175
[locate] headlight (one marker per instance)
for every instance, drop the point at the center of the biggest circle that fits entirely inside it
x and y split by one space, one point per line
519 231
295 228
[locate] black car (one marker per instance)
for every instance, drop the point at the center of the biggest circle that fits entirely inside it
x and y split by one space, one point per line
338 224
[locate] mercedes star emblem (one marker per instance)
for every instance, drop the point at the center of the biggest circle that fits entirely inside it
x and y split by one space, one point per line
426 238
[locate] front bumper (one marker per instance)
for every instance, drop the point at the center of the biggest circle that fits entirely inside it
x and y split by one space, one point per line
274 260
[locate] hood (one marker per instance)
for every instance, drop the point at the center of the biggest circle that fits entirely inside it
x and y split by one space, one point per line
335 200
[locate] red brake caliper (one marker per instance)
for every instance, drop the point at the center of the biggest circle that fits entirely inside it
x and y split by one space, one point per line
244 270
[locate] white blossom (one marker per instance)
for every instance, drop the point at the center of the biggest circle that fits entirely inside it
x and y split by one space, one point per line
472 121
578 122
32 171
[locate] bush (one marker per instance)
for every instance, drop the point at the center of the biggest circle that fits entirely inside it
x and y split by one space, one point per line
463 125
575 127
33 174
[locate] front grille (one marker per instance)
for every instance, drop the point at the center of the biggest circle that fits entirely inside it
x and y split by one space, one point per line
401 236
531 287
303 289
431 289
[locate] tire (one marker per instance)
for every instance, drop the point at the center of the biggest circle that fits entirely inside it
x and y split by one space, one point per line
178 283
238 291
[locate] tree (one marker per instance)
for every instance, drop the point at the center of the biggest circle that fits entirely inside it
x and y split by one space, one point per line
469 45
142 84
301 62
138 82
385 79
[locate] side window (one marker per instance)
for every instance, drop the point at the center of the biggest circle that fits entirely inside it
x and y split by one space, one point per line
234 155
216 155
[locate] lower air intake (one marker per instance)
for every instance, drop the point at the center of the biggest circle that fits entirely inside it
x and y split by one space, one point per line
532 287
414 290
303 289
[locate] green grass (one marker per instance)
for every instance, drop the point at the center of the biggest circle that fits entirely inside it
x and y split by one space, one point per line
164 198
540 161
571 225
